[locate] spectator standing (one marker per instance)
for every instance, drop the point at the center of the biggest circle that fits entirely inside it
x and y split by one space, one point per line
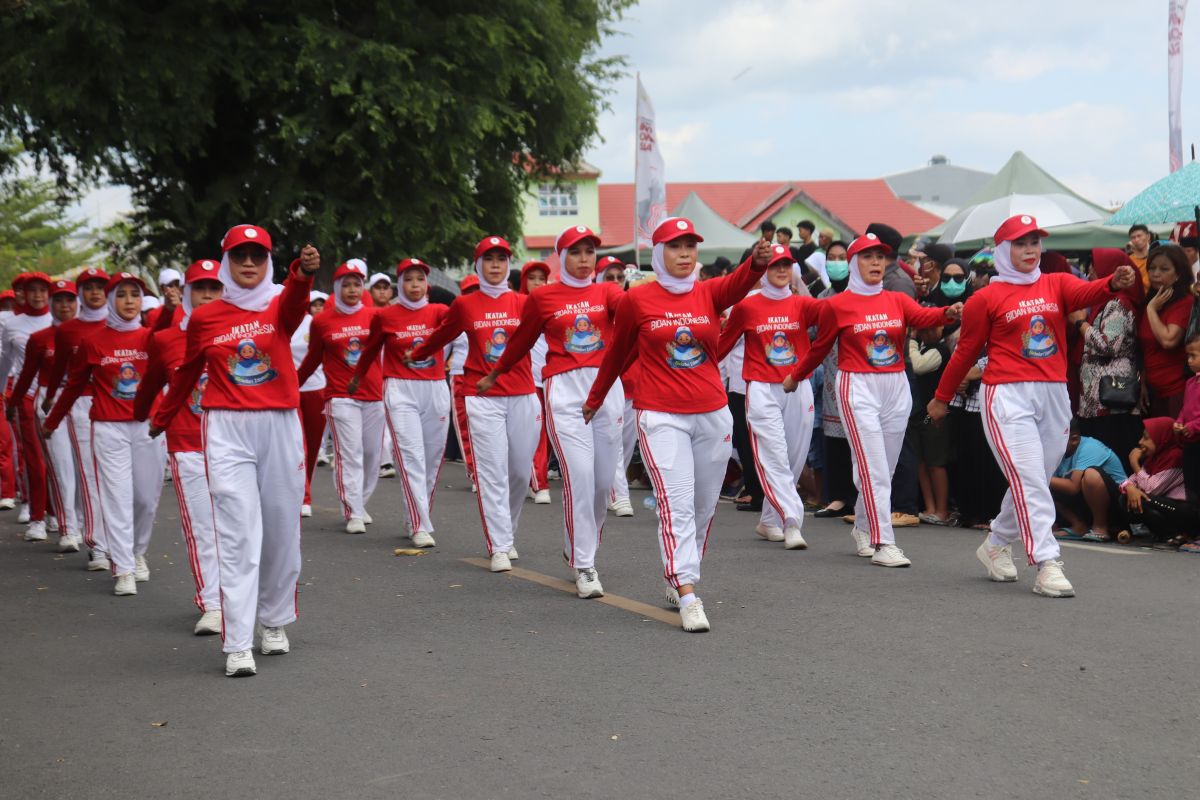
1161 329
1139 251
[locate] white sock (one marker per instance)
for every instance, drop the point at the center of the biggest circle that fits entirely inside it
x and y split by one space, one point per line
687 599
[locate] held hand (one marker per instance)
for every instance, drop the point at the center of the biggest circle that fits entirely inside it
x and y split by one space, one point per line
922 284
790 384
352 385
588 413
1160 298
154 431
1182 430
937 411
486 383
1133 496
310 259
954 311
761 254
1123 278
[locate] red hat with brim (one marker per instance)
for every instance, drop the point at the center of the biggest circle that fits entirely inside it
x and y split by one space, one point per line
63 287
245 234
492 243
91 274
779 254
573 236
867 241
608 261
203 270
346 269
123 277
26 277
531 265
673 228
1014 228
469 282
8 294
411 263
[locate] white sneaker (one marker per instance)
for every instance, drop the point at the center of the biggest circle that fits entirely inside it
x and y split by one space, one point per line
355 525
587 584
889 555
1051 582
474 489
772 533
209 623
141 570
387 471
98 562
621 507
422 539
793 539
322 459
68 544
513 555
273 641
553 475
998 561
52 523
541 497
23 515
367 518
36 532
693 618
500 562
306 510
125 585
672 596
240 664
862 543
7 503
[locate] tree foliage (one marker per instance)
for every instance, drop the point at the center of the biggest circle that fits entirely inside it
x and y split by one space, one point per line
377 128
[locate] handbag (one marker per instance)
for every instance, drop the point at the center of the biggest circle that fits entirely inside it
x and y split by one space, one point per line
1120 392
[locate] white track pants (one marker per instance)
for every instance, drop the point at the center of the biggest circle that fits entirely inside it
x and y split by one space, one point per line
587 459
620 488
418 416
129 466
196 518
79 426
61 475
1027 425
255 462
780 427
874 408
686 456
357 428
504 432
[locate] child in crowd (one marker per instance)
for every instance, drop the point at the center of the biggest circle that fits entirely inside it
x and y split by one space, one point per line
1187 425
1086 486
1154 493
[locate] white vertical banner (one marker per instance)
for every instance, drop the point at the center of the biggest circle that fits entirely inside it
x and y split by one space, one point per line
1176 12
650 181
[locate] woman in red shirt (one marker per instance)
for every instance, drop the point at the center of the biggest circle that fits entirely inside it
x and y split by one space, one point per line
129 464
1021 317
253 448
671 328
870 326
415 396
1161 329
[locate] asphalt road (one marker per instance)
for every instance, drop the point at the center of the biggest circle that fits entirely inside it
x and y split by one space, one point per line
428 677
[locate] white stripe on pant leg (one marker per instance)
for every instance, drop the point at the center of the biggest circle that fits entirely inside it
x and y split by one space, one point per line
712 446
666 442
346 418
281 489
489 447
112 451
149 462
373 430
196 517
524 423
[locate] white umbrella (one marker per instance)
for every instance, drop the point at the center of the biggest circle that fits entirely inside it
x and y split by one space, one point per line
980 221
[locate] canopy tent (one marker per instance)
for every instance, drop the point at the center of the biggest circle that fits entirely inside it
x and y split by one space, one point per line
721 237
1074 238
1166 201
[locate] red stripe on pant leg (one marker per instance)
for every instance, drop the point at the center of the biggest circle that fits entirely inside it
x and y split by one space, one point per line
189 536
763 479
52 484
339 478
35 465
864 471
665 529
405 484
458 408
538 479
88 521
487 538
568 495
1015 487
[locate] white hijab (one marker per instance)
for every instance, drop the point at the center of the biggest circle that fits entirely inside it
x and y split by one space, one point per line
1007 272
401 300
570 280
667 280
256 298
115 320
490 289
341 305
773 292
857 285
91 314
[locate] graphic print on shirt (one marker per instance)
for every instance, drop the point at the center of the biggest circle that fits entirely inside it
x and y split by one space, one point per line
417 342
1038 341
496 346
881 352
352 351
126 383
197 395
683 352
780 352
582 336
250 367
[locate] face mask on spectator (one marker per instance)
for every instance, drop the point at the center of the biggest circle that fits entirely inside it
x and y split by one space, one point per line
837 270
954 287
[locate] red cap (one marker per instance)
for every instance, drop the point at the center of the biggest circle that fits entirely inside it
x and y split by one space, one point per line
672 228
62 287
779 253
26 277
203 270
243 234
411 263
91 274
469 282
121 277
1015 227
572 236
349 268
542 265
608 261
866 242
8 294
491 243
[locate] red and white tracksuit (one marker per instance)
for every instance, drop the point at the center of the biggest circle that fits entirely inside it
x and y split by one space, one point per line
620 487
503 426
455 354
12 358
576 324
417 403
874 399
312 406
253 449
539 479
336 342
1026 409
685 429
775 334
128 463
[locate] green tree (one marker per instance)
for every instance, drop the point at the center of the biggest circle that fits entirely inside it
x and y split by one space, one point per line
377 128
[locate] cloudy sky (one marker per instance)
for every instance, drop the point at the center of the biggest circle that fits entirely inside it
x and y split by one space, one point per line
796 89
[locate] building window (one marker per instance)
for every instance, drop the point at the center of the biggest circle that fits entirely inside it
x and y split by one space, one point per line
557 200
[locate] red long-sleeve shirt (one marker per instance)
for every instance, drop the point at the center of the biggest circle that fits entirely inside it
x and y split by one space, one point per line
489 323
395 329
39 361
336 341
674 339
776 334
166 355
869 331
114 362
67 339
247 354
577 324
1024 328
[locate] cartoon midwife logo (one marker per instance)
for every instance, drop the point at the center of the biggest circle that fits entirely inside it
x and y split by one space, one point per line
683 352
1038 341
881 352
197 395
126 383
250 366
352 352
780 352
417 342
496 346
582 336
